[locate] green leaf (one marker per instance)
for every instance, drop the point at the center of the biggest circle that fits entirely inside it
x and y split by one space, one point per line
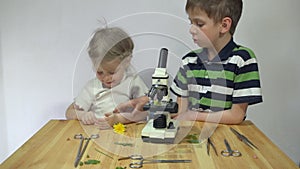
193 141
124 144
120 167
192 136
92 162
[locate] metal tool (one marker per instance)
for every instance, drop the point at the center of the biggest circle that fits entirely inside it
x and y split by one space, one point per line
210 144
229 152
81 150
243 138
137 161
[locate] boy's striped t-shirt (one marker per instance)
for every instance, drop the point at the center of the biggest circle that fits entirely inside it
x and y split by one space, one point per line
232 77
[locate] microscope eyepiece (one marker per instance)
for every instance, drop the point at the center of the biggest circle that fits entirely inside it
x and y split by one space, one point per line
163 56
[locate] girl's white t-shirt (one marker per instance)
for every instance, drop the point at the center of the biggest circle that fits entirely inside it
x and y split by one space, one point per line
94 97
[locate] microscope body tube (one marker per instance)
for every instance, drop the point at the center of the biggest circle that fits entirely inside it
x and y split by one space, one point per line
163 56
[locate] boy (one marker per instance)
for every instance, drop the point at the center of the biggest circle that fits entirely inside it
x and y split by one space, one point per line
217 82
110 50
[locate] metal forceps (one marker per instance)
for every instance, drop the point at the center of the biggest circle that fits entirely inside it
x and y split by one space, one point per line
229 152
243 139
80 149
137 161
210 144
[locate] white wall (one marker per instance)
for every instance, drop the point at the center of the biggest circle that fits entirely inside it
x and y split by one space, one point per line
42 66
3 130
271 28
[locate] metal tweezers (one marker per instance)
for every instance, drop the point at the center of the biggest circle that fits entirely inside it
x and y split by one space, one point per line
210 144
243 139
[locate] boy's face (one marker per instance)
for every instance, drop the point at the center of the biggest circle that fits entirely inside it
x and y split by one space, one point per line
111 73
205 32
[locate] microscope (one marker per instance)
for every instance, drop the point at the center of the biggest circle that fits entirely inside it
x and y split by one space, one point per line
160 128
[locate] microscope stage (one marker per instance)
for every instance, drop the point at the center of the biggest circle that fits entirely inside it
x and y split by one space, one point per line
154 135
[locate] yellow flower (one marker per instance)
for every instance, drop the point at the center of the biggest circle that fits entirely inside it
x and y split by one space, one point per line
119 128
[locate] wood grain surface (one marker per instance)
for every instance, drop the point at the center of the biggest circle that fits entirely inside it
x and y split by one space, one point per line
54 146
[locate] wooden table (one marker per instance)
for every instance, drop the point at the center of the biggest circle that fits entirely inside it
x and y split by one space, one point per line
54 146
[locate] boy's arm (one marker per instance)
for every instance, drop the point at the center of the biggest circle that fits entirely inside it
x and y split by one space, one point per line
182 104
235 115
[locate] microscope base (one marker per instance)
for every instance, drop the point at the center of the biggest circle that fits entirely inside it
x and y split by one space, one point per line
162 136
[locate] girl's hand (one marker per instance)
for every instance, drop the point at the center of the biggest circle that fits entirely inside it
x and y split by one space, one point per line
87 117
105 122
134 105
111 119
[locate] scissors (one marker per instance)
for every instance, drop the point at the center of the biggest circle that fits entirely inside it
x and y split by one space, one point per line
80 149
229 152
137 161
243 139
210 144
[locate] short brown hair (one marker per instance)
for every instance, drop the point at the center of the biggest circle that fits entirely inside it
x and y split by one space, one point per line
218 9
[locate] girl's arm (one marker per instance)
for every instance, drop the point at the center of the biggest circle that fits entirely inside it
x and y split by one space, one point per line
75 113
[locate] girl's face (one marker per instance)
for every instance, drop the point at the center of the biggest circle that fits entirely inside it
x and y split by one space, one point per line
111 73
205 32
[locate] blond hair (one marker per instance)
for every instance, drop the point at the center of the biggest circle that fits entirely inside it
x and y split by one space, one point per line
108 44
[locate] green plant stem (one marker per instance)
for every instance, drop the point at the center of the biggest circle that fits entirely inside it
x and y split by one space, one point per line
104 153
